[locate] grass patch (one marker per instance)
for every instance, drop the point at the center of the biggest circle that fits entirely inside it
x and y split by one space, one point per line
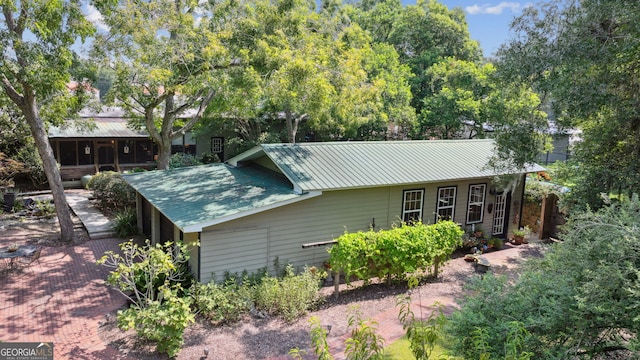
399 350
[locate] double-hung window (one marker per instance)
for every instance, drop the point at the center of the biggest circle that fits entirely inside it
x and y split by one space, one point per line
412 205
476 203
446 203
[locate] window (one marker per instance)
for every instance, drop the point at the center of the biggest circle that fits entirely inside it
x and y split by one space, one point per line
217 145
68 153
476 203
446 203
126 151
85 157
412 205
144 151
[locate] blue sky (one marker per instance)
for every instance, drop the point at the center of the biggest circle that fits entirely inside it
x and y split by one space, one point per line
488 20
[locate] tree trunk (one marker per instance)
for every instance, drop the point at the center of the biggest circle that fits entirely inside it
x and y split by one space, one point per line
164 155
292 127
50 166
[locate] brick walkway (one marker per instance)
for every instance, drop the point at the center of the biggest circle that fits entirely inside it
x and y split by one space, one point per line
61 299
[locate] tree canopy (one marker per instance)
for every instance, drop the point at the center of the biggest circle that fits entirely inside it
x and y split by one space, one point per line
166 56
582 58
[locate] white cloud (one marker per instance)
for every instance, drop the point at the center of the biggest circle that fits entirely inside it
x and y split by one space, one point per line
95 17
492 9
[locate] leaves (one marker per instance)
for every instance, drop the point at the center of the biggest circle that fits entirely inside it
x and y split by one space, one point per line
395 252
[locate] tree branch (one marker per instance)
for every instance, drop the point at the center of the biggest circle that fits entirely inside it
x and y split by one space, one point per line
11 92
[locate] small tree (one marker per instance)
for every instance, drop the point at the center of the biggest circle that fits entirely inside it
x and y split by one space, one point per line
151 277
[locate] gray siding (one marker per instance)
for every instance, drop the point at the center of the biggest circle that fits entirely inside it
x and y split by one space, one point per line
230 246
233 251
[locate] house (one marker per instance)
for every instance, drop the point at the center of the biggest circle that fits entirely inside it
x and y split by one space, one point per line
103 141
268 202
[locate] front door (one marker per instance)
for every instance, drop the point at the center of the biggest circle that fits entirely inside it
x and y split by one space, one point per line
500 215
106 157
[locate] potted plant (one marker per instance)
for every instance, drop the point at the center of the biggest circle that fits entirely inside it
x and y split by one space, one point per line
519 236
497 243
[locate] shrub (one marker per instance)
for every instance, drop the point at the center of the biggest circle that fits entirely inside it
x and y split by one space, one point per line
125 223
209 158
111 191
318 341
394 253
291 296
222 303
163 321
151 277
364 342
180 160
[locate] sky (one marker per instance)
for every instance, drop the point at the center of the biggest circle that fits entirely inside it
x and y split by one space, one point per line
488 20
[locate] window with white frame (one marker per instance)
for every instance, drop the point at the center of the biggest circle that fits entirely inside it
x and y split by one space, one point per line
476 203
446 203
217 145
412 205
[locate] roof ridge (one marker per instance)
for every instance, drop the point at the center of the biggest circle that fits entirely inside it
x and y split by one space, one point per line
359 142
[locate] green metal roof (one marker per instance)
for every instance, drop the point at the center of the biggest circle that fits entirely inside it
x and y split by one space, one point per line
104 128
344 165
199 196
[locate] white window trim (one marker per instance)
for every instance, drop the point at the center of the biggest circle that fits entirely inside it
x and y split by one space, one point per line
216 147
404 202
452 207
481 203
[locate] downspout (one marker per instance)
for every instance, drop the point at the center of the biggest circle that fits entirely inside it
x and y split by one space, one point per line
200 256
523 180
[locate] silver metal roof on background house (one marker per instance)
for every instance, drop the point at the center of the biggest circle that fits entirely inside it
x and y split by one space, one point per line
344 165
98 128
106 122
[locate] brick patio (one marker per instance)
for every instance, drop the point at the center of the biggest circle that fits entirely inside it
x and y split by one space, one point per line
61 299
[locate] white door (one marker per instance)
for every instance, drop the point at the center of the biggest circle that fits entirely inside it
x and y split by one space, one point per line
499 215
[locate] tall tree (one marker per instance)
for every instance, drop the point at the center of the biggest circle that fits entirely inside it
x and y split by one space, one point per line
166 56
582 57
423 34
319 70
35 39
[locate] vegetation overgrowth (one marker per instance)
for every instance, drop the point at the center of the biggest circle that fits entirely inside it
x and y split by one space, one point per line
391 254
588 281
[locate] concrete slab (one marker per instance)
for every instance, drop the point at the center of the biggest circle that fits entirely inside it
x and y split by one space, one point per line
97 225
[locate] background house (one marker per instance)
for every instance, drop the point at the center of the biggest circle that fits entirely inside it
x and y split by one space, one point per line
103 141
269 201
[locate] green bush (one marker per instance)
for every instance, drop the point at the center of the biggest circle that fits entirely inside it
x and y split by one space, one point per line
209 158
180 160
125 223
151 278
222 303
111 191
290 296
396 252
163 321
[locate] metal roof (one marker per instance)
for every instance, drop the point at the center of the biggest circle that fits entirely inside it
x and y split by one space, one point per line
199 196
105 127
344 165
